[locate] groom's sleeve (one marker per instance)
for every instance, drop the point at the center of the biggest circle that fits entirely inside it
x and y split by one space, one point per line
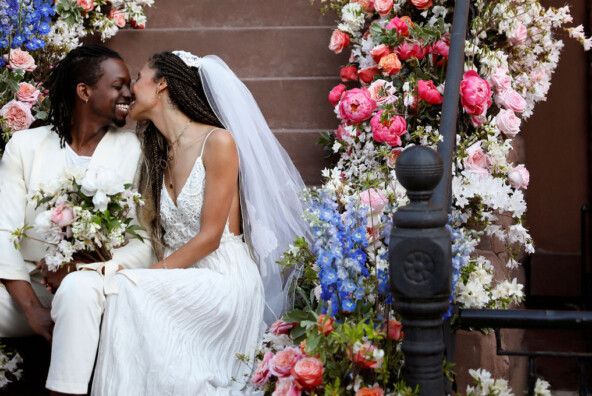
13 201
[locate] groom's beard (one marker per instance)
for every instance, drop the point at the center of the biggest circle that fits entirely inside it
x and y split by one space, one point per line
119 123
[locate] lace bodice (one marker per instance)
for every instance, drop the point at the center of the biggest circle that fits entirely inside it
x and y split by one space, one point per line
182 222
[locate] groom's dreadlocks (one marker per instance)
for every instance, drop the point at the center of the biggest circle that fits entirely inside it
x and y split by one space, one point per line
186 92
81 65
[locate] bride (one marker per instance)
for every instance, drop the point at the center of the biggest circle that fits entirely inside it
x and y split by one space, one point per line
224 203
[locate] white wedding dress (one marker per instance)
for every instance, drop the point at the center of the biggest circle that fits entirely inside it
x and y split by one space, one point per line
178 331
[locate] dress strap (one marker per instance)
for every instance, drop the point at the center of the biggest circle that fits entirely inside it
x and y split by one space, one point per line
203 145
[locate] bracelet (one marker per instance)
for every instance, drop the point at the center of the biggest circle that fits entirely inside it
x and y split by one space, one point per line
164 264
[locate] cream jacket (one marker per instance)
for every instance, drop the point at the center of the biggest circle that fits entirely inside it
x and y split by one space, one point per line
34 156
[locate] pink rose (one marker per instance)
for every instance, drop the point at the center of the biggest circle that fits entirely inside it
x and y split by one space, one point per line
440 50
283 361
339 41
477 161
512 100
348 73
500 79
400 26
118 16
508 123
367 74
392 157
356 105
408 50
519 177
422 4
27 94
17 115
20 60
286 387
87 5
262 374
383 7
475 93
379 51
427 91
389 130
62 215
336 93
308 373
375 199
518 36
281 327
382 92
395 328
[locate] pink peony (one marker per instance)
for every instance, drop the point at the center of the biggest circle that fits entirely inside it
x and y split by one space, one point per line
477 161
400 26
283 361
379 51
375 199
440 50
348 73
475 93
390 130
408 50
308 373
118 16
336 93
339 41
20 60
508 123
17 115
281 327
395 328
356 105
422 4
87 5
286 387
27 94
383 7
367 74
262 374
518 36
62 215
427 91
500 79
512 100
390 64
382 92
519 177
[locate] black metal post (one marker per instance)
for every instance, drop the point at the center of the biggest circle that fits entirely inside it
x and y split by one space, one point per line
420 269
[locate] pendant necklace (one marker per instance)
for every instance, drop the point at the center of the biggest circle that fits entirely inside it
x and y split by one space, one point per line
171 154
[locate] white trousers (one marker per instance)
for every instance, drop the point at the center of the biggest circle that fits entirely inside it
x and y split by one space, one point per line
76 309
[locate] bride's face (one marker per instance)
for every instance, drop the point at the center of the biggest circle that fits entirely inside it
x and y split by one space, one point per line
144 95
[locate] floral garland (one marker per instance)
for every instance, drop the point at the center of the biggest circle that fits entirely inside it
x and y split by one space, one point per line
36 33
342 336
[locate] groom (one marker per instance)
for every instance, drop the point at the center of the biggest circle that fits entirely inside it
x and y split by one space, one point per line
89 93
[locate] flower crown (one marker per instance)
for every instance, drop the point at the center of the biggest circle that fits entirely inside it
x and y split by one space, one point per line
189 59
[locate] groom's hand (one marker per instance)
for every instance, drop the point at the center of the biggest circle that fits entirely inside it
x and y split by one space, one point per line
39 318
53 279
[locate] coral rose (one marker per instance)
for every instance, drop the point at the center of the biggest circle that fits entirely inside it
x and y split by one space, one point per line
336 93
283 361
477 161
339 41
286 387
27 94
118 16
308 372
422 4
20 60
390 64
512 100
393 330
383 7
508 123
379 51
87 5
356 105
375 199
348 73
367 74
262 373
400 25
281 327
17 116
475 93
388 130
519 177
408 50
325 325
427 91
376 391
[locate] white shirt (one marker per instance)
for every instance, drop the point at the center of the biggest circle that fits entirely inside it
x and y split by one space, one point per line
75 160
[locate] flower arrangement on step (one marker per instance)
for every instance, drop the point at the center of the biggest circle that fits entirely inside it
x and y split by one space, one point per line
36 33
9 363
87 213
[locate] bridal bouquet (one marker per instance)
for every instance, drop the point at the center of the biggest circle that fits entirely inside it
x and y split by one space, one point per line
86 213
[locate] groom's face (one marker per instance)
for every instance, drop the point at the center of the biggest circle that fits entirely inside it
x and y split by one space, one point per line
111 95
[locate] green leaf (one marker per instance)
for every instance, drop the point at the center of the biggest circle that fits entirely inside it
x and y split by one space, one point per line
295 316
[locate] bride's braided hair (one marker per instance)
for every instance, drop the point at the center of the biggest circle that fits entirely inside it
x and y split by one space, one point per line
187 94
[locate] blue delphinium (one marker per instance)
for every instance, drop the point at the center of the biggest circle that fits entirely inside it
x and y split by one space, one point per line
25 23
461 251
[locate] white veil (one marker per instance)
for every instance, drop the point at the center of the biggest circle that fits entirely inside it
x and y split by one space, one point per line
269 182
